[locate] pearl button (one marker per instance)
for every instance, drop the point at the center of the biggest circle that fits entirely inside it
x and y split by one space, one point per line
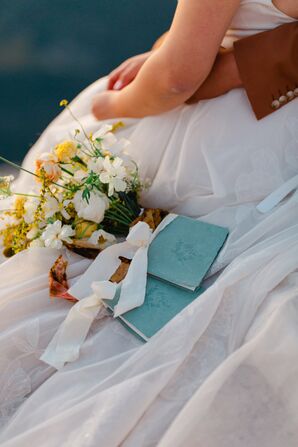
290 95
296 91
275 104
283 99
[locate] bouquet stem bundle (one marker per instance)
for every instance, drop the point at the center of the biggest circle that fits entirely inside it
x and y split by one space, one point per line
86 192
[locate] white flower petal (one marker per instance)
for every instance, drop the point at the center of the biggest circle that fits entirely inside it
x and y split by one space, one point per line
66 232
119 185
65 214
117 163
111 189
94 210
104 177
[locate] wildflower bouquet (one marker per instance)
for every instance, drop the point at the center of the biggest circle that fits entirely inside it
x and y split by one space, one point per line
85 194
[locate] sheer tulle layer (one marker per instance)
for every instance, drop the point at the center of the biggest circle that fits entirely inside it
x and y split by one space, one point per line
213 161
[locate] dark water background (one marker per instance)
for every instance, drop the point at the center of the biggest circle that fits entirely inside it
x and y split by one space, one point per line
52 49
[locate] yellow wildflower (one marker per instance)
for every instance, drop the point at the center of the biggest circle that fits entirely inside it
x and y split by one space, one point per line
19 206
63 103
117 126
66 150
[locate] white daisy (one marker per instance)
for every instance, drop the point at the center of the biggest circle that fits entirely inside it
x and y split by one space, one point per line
113 174
55 205
55 234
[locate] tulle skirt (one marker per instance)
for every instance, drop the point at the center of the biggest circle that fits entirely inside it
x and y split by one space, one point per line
224 371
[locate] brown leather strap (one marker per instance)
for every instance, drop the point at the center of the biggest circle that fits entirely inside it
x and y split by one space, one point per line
268 66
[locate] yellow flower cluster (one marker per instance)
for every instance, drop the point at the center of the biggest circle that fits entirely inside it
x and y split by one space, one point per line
63 103
66 151
19 206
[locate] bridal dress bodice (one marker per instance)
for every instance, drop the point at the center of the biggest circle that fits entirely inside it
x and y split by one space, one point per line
254 16
224 371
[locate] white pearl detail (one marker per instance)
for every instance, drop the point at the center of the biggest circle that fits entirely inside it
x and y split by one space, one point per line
296 91
283 99
275 104
290 95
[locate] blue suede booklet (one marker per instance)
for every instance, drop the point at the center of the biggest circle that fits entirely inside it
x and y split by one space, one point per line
162 303
178 260
184 251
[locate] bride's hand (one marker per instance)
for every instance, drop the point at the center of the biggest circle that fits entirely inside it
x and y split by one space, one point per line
127 71
104 105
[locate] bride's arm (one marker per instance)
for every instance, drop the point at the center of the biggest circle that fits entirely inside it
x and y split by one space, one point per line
223 77
178 68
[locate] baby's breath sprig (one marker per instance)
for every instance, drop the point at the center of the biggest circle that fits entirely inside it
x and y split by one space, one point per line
64 103
19 239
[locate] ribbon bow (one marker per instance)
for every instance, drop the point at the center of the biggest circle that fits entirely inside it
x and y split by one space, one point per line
133 287
66 344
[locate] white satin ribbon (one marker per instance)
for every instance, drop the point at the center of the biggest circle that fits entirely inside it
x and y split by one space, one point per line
133 288
278 195
66 343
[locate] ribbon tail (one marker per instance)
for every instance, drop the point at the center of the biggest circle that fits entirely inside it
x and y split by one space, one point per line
278 195
133 288
66 343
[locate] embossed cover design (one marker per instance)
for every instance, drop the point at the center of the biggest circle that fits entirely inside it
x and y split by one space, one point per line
184 251
162 303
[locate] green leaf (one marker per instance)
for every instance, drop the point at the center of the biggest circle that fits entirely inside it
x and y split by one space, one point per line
78 159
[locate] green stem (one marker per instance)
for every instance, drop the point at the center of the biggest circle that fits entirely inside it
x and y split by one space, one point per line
78 121
115 208
28 172
17 166
120 211
112 216
62 186
66 170
88 153
77 159
25 195
126 209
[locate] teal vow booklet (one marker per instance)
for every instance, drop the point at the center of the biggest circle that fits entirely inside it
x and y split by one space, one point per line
184 251
178 260
163 301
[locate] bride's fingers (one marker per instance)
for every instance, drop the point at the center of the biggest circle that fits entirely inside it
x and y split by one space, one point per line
125 78
115 74
127 71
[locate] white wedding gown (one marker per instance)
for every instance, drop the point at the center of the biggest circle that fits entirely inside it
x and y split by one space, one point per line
224 372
